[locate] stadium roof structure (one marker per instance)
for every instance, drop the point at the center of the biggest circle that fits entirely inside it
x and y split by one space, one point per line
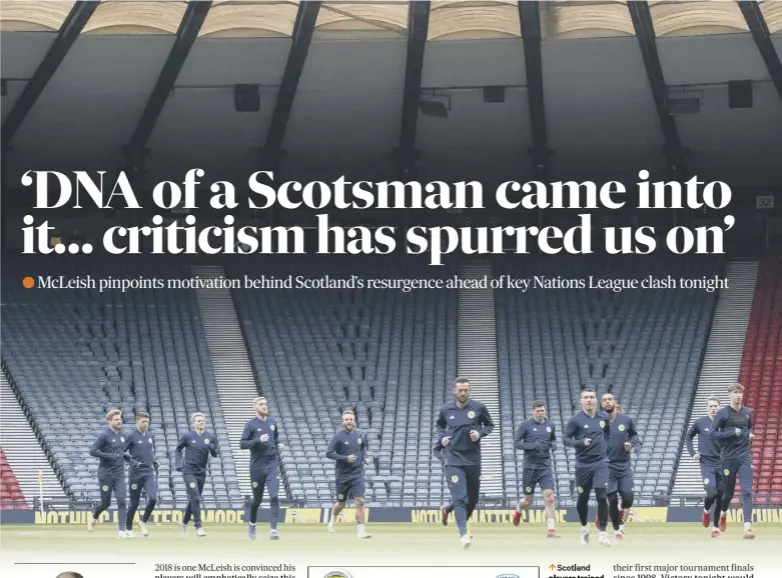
492 89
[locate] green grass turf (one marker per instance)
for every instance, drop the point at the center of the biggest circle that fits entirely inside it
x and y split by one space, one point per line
406 540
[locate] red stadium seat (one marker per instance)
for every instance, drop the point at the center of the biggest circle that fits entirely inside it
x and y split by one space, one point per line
11 496
761 374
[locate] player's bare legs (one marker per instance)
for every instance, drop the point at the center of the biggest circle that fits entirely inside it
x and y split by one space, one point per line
338 507
523 504
360 517
548 504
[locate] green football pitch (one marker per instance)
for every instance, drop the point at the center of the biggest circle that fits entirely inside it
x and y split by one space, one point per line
414 540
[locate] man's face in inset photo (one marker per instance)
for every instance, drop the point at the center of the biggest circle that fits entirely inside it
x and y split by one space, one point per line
70 575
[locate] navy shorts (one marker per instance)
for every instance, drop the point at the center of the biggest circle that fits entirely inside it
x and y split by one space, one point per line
542 477
350 489
591 477
620 479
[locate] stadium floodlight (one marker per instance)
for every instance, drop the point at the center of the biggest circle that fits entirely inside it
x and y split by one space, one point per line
432 103
433 108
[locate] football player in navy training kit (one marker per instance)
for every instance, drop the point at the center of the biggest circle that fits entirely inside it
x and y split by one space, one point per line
733 432
261 437
708 456
445 510
349 449
109 448
588 432
197 445
461 425
536 437
140 452
624 441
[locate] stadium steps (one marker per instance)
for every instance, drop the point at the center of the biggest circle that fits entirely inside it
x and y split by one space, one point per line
22 450
236 385
477 350
722 361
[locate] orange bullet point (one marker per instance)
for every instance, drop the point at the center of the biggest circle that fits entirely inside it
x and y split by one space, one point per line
28 282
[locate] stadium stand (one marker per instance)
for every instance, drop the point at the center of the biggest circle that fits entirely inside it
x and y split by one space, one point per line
644 346
721 362
478 360
761 375
11 497
233 371
390 355
74 354
31 465
97 103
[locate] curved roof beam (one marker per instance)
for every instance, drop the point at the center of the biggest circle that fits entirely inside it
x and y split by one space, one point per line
241 19
586 20
772 13
391 14
450 18
264 3
465 20
590 2
697 18
348 20
35 15
136 18
440 4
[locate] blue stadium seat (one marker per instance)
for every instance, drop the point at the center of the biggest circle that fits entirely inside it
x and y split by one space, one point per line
390 355
74 354
644 346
